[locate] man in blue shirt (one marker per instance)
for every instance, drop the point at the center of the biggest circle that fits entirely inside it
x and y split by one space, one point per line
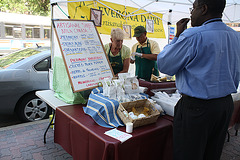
206 62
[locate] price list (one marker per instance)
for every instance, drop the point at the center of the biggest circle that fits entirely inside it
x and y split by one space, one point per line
83 53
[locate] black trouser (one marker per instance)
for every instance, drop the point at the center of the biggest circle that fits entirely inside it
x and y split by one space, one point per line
200 127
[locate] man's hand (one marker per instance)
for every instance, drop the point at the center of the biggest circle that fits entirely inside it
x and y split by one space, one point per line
135 54
181 26
132 57
138 54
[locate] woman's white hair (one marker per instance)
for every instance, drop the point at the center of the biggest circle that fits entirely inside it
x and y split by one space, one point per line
117 34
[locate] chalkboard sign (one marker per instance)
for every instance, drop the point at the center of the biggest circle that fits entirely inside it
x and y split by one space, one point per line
83 54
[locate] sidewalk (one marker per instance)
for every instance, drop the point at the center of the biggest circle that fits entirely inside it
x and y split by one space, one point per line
25 142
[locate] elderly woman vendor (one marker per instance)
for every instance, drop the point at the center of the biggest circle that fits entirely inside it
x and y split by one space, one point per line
118 54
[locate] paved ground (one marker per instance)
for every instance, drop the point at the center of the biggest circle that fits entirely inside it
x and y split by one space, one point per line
25 142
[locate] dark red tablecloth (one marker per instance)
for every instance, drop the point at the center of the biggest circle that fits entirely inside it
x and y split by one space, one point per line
81 137
168 87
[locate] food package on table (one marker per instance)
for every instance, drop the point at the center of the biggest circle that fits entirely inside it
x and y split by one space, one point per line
164 79
105 84
109 89
154 78
123 76
131 85
119 88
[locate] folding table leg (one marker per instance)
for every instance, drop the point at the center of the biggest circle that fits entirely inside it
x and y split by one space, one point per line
228 134
50 123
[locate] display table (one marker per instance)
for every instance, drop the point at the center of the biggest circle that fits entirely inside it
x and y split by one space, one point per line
167 87
170 118
81 137
48 97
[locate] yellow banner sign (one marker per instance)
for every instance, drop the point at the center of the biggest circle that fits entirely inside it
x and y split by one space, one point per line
111 15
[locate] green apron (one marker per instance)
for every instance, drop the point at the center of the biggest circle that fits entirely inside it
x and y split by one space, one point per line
116 62
145 67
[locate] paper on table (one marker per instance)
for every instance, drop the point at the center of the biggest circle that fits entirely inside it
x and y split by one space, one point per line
119 135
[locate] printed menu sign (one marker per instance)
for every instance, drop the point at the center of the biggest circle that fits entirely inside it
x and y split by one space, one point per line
82 50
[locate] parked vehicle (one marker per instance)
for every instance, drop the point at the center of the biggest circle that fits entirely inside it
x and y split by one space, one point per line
23 73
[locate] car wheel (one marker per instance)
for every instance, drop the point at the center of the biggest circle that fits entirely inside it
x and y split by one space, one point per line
32 108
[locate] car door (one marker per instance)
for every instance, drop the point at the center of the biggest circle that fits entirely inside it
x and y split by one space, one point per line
40 75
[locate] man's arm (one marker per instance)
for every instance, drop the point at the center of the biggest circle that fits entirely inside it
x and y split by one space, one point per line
178 53
150 56
155 50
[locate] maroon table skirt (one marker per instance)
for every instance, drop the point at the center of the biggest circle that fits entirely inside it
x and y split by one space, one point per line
82 138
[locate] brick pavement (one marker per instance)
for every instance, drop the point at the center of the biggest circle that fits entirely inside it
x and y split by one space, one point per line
231 150
25 142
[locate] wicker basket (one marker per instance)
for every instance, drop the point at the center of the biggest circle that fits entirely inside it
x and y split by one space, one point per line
125 108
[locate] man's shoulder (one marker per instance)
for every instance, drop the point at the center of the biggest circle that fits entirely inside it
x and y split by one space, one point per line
192 31
135 44
152 42
209 27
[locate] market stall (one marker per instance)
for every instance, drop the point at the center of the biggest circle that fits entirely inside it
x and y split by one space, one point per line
80 63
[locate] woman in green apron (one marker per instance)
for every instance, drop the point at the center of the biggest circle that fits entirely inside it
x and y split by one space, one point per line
118 54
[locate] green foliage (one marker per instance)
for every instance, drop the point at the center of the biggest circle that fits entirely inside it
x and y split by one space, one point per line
33 7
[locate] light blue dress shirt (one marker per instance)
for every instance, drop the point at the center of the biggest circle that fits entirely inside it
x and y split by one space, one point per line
205 60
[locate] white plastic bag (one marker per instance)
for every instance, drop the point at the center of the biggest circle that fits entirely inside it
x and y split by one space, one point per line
166 102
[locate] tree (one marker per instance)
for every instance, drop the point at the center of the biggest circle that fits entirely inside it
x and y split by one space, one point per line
33 7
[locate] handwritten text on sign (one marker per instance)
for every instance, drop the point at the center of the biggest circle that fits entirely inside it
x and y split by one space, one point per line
83 53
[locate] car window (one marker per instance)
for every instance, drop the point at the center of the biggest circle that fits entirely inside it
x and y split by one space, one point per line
43 65
17 56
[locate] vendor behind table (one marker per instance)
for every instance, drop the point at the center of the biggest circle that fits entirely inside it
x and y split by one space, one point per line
118 54
144 54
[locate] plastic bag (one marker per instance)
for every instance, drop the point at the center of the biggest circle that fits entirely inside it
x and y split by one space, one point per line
131 85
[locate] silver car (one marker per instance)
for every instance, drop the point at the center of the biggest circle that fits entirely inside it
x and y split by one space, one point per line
22 74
